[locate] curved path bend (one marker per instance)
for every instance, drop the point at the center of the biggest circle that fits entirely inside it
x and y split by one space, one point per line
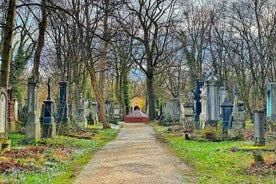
135 157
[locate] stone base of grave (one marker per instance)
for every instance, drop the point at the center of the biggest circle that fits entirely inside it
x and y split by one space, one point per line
236 134
12 126
5 145
82 124
33 131
49 130
63 128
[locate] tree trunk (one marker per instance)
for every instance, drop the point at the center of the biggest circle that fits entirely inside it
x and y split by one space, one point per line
7 45
99 98
151 97
40 44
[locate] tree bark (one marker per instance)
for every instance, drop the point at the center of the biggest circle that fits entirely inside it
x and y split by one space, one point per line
99 98
41 38
7 45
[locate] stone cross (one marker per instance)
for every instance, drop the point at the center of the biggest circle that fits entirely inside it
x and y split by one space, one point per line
49 84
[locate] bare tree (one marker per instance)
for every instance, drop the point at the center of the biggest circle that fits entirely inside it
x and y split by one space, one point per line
152 22
7 44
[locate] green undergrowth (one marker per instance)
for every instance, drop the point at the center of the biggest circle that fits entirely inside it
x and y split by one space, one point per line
216 162
58 169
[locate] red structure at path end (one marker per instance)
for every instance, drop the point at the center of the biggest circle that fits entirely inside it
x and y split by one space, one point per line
136 117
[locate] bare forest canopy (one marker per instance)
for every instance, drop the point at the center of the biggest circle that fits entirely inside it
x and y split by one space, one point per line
110 49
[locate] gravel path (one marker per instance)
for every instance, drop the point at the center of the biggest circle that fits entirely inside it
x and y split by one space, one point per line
135 157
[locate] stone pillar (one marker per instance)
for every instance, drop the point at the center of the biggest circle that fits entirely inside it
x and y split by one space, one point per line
32 125
16 109
259 127
271 106
212 100
48 121
63 103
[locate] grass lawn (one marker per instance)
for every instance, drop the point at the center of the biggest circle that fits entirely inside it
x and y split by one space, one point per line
216 162
57 160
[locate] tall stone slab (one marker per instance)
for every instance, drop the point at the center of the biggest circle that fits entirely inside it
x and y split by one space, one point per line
11 103
271 105
33 124
212 100
80 116
48 120
63 103
3 112
4 141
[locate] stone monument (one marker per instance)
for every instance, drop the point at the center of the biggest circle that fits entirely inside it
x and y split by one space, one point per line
212 100
11 103
63 103
271 106
48 121
32 125
80 116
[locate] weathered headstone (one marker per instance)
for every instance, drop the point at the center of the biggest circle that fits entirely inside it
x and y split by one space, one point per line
116 112
271 106
4 142
94 113
16 108
11 101
222 96
237 125
203 107
212 100
3 112
48 121
197 104
259 127
32 125
63 103
226 116
188 114
80 117
172 110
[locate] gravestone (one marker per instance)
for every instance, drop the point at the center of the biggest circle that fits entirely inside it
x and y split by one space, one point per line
197 103
16 109
212 100
237 125
226 116
33 124
203 107
80 117
188 114
11 102
259 127
116 112
271 106
172 110
62 116
48 121
3 112
222 96
4 142
94 107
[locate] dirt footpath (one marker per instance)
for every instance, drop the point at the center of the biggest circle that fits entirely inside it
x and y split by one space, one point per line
135 157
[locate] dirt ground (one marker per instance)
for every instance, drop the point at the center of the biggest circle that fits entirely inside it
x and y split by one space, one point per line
135 157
